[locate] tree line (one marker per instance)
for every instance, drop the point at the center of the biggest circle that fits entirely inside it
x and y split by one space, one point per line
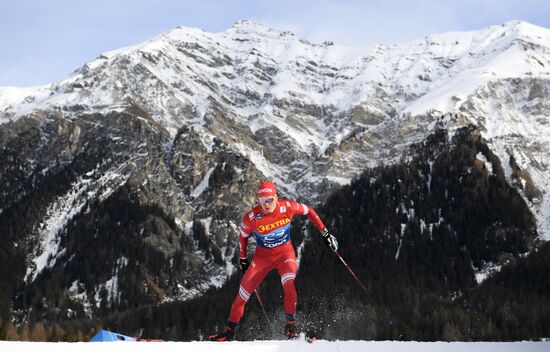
416 233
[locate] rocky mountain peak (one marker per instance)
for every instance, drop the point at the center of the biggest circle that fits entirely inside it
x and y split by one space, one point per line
251 26
322 103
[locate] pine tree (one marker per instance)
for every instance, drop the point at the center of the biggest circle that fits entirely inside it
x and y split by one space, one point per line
38 332
25 334
55 333
11 332
70 335
3 330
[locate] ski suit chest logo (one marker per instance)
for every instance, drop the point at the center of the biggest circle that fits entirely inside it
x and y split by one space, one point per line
263 228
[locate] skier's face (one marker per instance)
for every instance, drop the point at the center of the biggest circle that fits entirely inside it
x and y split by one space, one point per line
268 203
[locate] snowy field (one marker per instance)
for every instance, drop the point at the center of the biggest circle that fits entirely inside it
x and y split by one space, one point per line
274 346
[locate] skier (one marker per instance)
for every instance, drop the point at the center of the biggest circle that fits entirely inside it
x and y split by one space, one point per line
269 222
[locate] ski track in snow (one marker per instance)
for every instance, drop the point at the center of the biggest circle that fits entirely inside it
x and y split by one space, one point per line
274 346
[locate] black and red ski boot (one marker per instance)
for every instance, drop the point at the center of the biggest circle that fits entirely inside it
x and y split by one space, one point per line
227 335
291 331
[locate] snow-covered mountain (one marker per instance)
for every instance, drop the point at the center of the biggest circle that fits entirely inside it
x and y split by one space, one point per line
190 120
332 110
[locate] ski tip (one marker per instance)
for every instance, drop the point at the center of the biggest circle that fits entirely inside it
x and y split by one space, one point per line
311 339
308 337
311 335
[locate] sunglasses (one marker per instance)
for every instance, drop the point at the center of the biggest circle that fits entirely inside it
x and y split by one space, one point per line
267 200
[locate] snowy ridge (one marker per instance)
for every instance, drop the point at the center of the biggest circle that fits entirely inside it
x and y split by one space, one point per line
515 49
430 69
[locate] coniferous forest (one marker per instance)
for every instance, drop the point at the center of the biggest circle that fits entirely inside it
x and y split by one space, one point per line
416 233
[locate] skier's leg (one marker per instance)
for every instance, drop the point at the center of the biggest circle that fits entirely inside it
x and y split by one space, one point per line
287 271
259 267
252 277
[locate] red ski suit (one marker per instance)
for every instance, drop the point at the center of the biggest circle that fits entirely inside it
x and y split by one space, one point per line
273 251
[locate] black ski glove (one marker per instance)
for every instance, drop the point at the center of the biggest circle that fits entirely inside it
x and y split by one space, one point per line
329 239
243 265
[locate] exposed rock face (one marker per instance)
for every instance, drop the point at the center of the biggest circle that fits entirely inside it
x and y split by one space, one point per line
180 129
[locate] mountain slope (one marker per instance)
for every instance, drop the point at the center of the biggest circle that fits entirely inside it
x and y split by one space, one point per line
181 128
436 238
330 106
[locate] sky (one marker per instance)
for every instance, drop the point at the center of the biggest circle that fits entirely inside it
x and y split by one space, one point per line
43 41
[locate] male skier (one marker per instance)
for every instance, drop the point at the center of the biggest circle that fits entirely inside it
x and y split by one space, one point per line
269 222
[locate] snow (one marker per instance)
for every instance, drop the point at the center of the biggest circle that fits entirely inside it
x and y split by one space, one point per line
488 165
342 181
403 228
543 219
275 346
357 70
82 297
58 214
203 185
263 165
486 271
63 209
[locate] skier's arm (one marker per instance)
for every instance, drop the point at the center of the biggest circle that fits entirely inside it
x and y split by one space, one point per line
315 219
302 209
243 244
328 238
244 233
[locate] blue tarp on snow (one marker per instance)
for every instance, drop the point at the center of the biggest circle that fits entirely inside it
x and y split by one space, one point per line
107 336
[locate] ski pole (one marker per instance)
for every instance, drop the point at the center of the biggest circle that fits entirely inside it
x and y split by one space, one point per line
351 271
261 303
356 279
